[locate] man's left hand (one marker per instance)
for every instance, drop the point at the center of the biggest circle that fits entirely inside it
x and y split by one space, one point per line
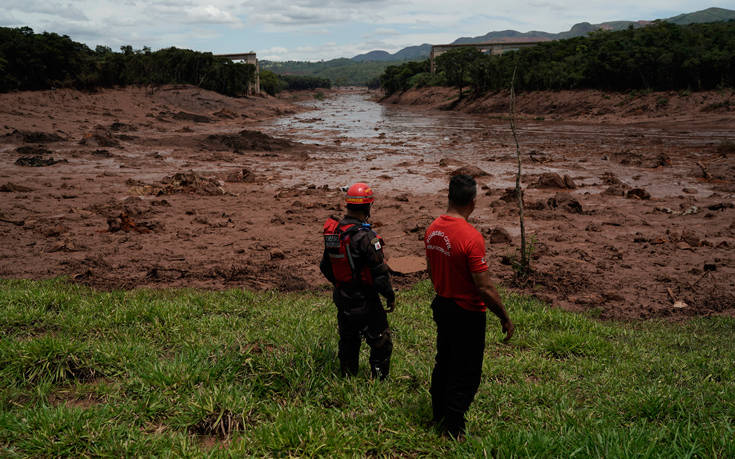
508 329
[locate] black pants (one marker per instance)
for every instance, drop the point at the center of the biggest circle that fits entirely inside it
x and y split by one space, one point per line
460 345
361 316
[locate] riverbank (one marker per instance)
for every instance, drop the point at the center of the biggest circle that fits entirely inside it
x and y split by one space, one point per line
179 187
699 108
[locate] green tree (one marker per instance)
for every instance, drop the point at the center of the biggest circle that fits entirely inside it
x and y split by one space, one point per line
455 64
270 83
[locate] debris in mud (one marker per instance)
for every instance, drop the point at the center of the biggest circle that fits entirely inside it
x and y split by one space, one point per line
122 127
37 161
616 190
499 235
102 154
247 140
190 182
608 178
101 138
35 137
55 231
539 156
638 193
277 254
444 162
721 206
263 275
13 188
691 238
536 205
225 114
30 150
242 176
181 182
184 116
554 180
472 171
662 160
124 222
629 158
63 246
565 201
509 195
12 222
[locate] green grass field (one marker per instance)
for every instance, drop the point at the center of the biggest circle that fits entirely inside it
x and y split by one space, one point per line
192 373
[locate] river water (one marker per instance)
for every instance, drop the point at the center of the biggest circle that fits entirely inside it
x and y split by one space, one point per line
400 147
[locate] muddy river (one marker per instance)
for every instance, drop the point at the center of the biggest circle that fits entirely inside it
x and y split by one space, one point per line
175 187
374 139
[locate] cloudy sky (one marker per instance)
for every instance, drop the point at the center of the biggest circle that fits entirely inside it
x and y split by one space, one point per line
315 29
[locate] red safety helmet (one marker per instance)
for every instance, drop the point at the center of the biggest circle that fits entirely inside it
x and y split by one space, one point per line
359 193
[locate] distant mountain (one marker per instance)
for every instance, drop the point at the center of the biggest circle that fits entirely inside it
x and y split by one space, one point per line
374 56
406 54
708 15
413 52
505 35
578 30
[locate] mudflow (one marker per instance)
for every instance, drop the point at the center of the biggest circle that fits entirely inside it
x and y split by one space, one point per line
629 201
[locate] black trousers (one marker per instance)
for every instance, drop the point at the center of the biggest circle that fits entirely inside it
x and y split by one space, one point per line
460 345
362 315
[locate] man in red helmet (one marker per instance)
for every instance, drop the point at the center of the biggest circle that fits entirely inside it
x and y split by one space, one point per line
353 263
455 255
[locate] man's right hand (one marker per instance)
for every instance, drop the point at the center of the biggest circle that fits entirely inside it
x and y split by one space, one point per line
508 329
390 305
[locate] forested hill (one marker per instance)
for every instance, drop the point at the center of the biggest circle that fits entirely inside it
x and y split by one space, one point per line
578 30
365 68
31 61
662 56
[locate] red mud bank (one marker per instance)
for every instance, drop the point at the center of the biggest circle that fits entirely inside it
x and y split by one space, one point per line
583 105
179 187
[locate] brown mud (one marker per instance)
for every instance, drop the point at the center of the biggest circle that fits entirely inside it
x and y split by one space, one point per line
629 199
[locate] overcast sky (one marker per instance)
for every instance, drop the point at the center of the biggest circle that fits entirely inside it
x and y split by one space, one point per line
315 29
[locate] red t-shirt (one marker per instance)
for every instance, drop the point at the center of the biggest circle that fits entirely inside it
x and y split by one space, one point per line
454 250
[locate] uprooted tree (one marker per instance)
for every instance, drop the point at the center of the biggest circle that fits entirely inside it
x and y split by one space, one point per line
523 267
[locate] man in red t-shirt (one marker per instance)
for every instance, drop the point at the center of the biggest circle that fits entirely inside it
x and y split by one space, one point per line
455 255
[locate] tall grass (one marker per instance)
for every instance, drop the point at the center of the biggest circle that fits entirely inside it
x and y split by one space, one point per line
192 373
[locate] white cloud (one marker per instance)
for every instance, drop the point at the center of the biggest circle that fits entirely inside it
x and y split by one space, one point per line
315 29
210 14
54 9
386 31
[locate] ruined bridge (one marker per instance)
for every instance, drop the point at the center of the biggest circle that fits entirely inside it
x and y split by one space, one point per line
493 47
248 58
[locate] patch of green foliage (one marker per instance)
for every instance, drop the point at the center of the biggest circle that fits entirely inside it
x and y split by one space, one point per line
397 77
179 372
662 56
33 61
341 72
273 83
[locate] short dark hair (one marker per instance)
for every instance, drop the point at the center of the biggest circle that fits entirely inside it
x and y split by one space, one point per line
364 208
462 190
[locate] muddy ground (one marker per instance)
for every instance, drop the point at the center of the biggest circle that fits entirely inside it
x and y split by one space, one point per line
629 199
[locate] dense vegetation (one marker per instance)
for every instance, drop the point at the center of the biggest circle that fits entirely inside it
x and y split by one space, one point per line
663 56
341 72
30 61
237 373
272 83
